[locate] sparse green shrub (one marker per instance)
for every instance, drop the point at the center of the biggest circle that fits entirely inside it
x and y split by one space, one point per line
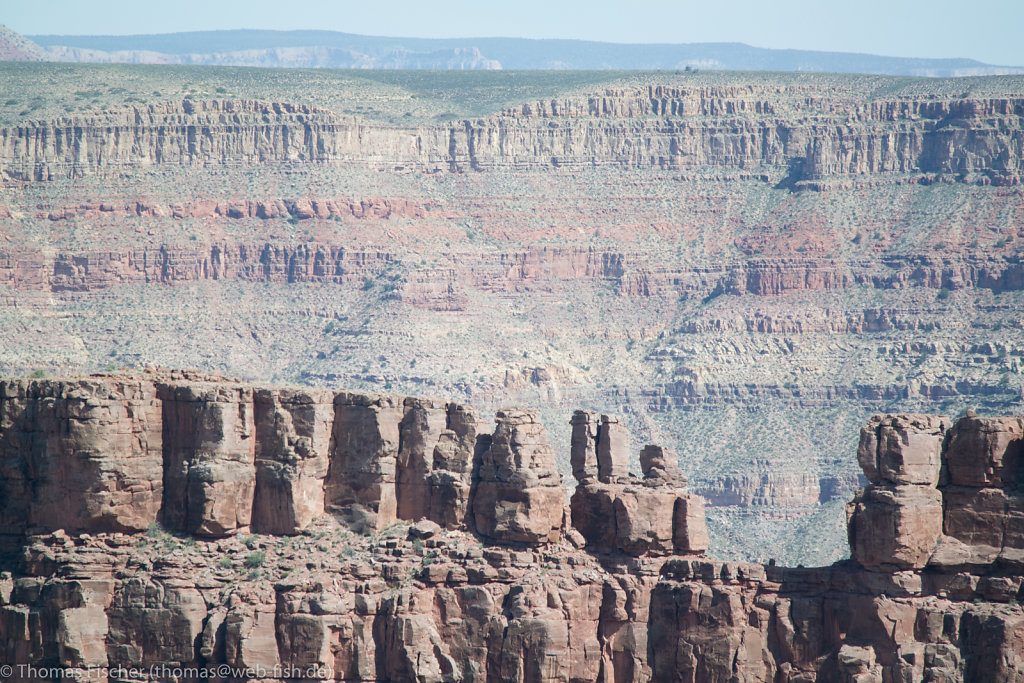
256 559
155 530
224 563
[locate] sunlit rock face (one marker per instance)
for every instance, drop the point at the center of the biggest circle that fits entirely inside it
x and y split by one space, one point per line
383 537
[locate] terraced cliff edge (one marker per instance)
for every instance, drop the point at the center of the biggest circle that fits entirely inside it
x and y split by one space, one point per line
797 134
162 524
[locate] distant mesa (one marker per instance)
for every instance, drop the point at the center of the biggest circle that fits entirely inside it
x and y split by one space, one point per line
335 50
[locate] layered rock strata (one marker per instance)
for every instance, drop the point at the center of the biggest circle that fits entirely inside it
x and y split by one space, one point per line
632 274
809 133
932 592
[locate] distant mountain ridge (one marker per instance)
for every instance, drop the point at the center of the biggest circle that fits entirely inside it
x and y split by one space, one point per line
15 47
332 49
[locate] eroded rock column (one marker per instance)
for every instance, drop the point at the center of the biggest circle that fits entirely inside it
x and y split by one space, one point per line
419 432
209 457
897 519
451 473
616 512
294 431
361 481
519 495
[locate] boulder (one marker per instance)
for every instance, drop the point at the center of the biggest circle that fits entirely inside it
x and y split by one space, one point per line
660 467
986 452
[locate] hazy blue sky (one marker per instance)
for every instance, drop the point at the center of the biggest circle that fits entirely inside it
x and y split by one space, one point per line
988 31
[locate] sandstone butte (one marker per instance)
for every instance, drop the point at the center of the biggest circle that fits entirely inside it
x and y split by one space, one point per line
174 519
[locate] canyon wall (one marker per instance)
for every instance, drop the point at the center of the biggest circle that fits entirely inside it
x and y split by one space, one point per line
631 274
346 536
806 134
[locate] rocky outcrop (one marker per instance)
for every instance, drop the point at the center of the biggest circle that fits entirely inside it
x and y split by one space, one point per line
983 500
294 442
897 519
617 513
80 455
518 495
933 591
211 457
932 549
940 494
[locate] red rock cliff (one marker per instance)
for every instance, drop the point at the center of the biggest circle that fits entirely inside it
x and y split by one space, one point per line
364 564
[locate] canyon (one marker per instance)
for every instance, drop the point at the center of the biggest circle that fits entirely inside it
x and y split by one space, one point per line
745 267
177 521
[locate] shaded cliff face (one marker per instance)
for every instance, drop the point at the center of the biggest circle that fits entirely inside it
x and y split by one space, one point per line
436 552
748 268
